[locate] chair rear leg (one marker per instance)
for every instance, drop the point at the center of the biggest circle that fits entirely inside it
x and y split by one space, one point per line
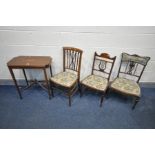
70 100
79 88
81 91
108 92
51 88
136 101
102 97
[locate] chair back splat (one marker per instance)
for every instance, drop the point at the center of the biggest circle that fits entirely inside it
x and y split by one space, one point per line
101 64
132 65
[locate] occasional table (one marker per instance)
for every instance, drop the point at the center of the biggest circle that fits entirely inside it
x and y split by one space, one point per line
31 62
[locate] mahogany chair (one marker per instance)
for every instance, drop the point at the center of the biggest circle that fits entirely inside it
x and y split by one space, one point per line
130 71
99 78
68 80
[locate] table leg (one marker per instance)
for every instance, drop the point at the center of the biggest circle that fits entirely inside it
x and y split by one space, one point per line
25 77
48 87
14 79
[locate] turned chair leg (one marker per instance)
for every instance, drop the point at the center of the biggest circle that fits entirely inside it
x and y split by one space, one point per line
108 92
101 102
136 101
69 100
69 94
51 89
81 90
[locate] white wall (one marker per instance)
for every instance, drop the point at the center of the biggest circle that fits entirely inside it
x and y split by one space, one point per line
15 41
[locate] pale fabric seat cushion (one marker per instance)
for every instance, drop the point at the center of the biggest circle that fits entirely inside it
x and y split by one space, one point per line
66 79
126 86
96 82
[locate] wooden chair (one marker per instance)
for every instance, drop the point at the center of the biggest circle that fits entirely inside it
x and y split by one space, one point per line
130 71
68 80
101 71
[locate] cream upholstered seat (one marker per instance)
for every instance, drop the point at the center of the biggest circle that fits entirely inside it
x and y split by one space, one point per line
96 82
126 86
66 79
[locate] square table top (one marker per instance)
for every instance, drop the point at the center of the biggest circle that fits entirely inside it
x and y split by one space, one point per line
30 62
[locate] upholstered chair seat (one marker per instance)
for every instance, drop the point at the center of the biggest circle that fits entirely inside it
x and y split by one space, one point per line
66 79
126 86
95 82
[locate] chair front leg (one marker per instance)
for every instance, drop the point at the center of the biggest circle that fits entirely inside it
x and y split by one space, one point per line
70 92
69 97
136 101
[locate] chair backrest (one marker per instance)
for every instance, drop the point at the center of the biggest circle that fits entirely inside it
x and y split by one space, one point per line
133 65
72 59
103 63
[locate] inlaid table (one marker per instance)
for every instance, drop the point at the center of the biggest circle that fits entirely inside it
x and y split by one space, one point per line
31 62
